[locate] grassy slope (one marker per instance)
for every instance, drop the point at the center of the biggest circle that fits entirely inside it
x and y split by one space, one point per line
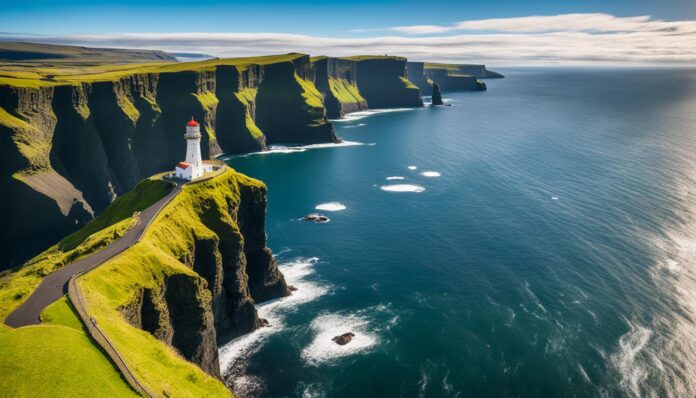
33 356
40 76
247 96
17 284
344 91
116 283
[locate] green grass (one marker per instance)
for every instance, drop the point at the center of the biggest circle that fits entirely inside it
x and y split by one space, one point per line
344 91
56 359
61 313
408 83
17 284
28 75
34 144
311 95
371 57
147 264
247 96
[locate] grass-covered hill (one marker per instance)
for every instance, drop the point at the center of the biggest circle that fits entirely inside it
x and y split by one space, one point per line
38 53
164 303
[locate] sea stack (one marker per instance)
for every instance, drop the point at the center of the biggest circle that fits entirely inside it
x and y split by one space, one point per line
437 96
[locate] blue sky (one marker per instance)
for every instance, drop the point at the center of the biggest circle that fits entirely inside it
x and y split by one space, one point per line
569 32
325 18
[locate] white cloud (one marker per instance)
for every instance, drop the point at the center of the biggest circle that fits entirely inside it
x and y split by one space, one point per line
596 22
562 39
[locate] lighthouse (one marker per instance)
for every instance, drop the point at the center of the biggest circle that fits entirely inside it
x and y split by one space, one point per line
192 167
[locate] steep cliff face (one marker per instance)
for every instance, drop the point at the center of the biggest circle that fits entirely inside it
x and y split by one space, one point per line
450 77
383 82
289 108
335 78
437 96
203 265
36 199
70 149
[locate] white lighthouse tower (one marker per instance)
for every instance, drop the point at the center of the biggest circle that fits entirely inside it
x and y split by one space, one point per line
192 167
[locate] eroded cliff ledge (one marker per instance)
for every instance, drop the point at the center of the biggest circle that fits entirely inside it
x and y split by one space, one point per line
194 279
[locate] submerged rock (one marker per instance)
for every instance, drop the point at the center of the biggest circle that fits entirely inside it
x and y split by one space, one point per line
437 96
292 288
343 339
316 218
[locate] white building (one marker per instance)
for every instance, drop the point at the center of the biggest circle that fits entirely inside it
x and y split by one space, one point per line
193 167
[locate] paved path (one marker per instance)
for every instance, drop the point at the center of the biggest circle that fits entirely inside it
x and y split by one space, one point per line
55 284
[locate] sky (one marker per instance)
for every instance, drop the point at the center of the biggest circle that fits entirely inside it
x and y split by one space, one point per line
507 32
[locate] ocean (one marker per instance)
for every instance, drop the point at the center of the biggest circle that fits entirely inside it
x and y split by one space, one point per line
534 240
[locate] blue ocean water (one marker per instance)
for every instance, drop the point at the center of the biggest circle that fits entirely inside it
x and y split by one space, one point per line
553 256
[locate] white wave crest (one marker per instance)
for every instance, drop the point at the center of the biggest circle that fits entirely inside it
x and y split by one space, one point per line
331 206
395 178
431 174
412 167
349 117
402 188
324 350
295 272
284 149
626 359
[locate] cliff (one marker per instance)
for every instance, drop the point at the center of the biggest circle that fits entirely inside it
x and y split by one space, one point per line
75 138
72 143
336 79
450 77
201 267
383 82
166 302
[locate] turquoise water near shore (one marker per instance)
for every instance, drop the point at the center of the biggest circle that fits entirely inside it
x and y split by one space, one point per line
551 251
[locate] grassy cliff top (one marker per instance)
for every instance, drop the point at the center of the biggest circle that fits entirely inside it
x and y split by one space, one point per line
371 57
46 75
450 67
159 255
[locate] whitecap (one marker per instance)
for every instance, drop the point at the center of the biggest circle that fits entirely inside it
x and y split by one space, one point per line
431 174
395 178
285 149
349 117
354 126
412 167
324 350
331 206
402 188
626 359
554 198
295 272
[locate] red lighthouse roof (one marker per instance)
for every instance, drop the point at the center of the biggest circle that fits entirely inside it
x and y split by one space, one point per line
192 123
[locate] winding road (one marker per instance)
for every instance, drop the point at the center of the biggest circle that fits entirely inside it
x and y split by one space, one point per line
55 284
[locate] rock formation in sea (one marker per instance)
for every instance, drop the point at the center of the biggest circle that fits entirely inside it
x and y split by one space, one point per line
437 96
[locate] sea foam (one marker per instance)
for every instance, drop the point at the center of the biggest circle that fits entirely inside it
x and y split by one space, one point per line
402 188
324 350
331 206
295 272
430 174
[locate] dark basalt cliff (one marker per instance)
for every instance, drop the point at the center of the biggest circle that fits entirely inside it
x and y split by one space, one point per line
383 82
336 79
437 96
69 148
450 77
220 235
67 151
